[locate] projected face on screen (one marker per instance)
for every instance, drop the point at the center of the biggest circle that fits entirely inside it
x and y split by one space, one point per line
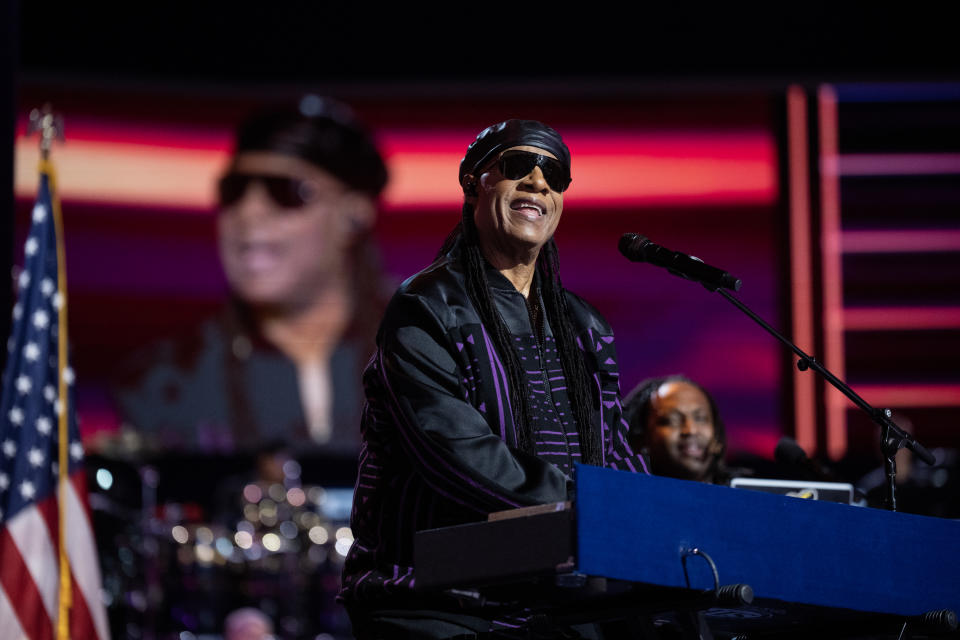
285 228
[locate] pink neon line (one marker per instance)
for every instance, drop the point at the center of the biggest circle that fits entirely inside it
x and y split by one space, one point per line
832 269
678 168
900 241
884 164
870 318
801 268
925 395
743 144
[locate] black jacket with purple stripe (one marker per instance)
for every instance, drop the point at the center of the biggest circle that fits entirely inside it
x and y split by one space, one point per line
438 439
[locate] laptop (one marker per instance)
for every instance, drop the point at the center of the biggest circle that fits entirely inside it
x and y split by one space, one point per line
808 490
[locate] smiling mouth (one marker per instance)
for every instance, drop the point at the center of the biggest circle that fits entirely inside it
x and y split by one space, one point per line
528 207
692 451
258 256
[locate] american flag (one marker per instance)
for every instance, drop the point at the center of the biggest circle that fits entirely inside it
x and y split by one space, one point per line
34 520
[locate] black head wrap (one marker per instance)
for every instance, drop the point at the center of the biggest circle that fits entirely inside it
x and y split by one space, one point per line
324 133
512 133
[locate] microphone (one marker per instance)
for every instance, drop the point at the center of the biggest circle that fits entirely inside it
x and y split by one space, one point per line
639 249
788 452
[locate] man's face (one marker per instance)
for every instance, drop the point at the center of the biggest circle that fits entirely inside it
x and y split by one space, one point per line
283 253
681 434
515 217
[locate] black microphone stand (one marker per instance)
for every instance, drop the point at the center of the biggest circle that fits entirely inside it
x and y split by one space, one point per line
894 438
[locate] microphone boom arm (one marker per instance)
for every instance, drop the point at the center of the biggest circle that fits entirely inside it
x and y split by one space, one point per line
638 248
894 438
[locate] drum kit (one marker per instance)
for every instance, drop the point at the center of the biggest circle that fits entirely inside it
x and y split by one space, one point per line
186 539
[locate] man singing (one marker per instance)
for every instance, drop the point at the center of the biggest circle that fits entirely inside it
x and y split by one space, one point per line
489 382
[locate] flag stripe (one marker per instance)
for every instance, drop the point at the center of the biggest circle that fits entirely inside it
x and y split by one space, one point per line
50 513
86 621
9 624
48 559
32 538
81 624
83 556
16 580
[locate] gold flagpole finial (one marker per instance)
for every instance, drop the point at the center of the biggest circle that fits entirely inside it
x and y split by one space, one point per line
50 126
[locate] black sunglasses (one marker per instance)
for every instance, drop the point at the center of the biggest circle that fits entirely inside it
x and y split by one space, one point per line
517 164
286 192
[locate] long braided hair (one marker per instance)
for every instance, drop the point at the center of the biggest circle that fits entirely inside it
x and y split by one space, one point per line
579 389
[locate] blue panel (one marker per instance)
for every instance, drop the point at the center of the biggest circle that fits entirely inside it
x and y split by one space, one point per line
635 527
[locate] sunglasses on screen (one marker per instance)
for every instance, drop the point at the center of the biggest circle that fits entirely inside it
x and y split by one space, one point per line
516 165
286 192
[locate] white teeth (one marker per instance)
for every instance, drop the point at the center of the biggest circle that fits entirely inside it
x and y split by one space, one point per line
530 205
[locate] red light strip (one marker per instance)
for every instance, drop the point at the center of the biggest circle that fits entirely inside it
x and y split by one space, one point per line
801 268
124 173
876 318
900 164
830 237
900 395
149 166
901 241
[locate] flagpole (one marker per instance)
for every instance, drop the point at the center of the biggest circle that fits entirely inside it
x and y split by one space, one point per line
51 127
63 619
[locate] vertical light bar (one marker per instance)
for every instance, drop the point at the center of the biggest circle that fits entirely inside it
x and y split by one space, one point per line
831 248
801 268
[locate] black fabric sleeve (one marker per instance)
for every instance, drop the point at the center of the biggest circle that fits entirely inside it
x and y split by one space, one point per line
446 438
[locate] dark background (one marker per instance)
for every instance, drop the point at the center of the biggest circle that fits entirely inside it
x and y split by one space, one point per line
311 41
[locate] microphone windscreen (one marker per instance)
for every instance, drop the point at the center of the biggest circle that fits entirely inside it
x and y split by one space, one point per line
632 246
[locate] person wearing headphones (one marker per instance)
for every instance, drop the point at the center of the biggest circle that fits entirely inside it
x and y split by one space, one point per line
675 424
